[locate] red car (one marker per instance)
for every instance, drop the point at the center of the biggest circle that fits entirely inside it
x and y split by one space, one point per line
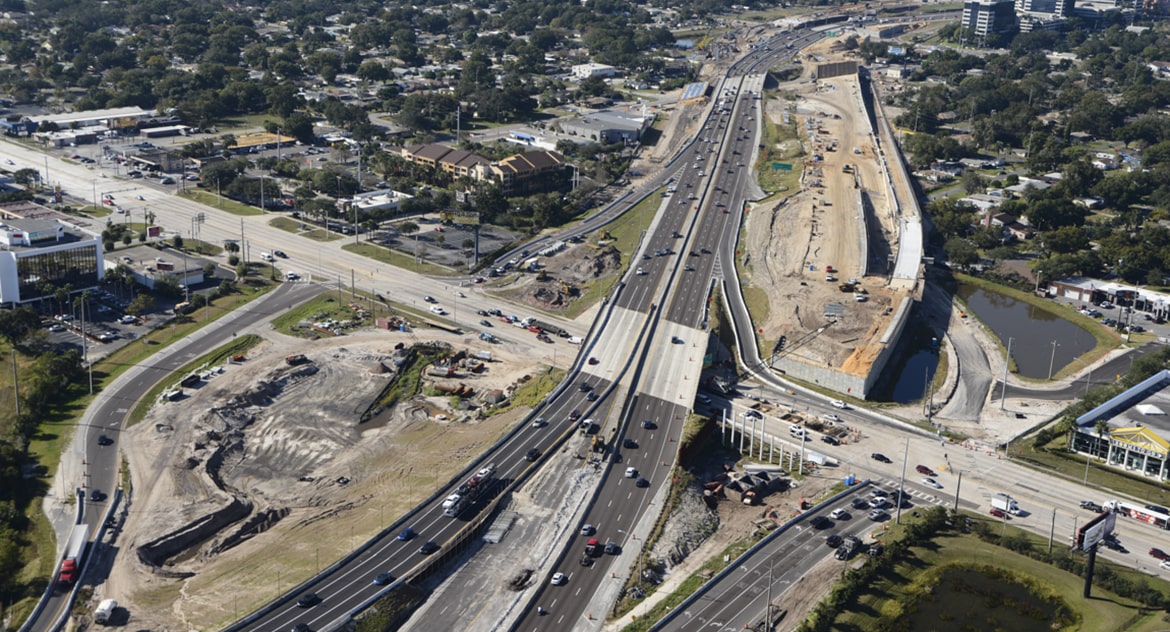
534 329
922 469
1159 554
998 513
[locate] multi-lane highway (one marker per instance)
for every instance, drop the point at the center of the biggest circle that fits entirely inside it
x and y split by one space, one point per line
694 229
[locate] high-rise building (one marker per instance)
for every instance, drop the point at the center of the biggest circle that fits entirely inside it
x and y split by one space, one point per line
985 17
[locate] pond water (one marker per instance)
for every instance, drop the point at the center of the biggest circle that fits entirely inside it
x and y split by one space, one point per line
1042 341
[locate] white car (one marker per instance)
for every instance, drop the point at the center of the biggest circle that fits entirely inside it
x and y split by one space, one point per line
933 483
1165 565
539 423
839 514
631 472
838 404
559 579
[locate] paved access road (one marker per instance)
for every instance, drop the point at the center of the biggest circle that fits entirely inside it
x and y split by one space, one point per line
99 464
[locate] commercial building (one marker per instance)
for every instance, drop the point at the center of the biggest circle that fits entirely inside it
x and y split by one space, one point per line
379 200
585 71
456 162
42 250
148 266
1130 431
527 172
609 126
985 17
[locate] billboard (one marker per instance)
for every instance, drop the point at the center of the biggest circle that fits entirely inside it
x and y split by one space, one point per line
1095 530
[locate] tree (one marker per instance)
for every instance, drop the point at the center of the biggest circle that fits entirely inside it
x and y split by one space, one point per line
140 305
16 324
973 182
961 252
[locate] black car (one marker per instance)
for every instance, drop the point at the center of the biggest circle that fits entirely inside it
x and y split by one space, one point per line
104 440
532 455
833 540
583 387
308 600
383 578
612 548
642 482
97 496
830 439
592 396
302 627
430 547
859 503
648 425
820 522
280 253
1091 506
881 458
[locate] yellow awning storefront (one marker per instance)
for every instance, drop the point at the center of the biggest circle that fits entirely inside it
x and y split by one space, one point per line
1141 440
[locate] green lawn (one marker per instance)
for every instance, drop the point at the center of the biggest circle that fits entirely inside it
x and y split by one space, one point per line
211 199
308 231
1105 611
398 259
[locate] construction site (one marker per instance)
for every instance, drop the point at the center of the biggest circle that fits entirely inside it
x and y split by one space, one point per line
830 256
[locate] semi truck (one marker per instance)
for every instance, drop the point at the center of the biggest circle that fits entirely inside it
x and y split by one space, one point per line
74 554
1149 515
1003 502
469 491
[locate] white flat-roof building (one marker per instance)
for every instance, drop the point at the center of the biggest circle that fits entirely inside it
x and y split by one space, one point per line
382 199
109 118
585 71
43 251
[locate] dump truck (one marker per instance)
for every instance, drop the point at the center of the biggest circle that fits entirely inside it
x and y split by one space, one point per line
1003 502
74 554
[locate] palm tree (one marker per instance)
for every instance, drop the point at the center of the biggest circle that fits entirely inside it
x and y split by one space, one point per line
1102 429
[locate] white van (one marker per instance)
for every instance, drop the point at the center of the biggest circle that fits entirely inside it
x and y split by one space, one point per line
266 256
798 431
575 340
105 610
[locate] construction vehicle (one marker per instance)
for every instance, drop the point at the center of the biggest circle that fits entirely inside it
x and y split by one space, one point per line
105 611
469 491
74 554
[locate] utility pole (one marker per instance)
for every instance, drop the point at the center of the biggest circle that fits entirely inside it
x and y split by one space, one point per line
1007 361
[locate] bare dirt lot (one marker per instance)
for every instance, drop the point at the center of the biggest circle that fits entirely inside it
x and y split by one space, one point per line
264 474
804 250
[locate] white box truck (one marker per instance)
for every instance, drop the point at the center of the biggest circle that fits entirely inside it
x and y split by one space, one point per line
105 611
1003 502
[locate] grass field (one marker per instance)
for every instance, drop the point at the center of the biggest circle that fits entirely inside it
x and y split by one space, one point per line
211 199
397 259
912 575
308 231
323 307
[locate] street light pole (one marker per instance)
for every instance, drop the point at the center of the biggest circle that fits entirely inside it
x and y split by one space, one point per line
1052 359
1007 361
